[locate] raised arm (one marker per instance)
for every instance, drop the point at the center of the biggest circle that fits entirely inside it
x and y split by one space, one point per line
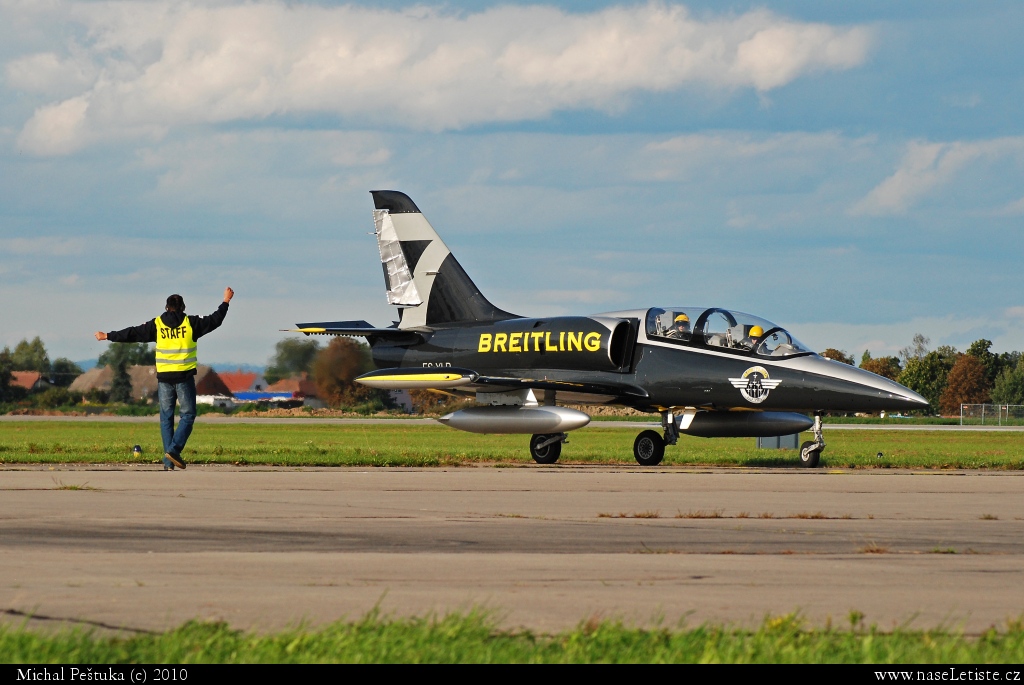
201 325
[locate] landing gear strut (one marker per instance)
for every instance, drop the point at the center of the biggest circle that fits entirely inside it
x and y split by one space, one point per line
810 451
546 448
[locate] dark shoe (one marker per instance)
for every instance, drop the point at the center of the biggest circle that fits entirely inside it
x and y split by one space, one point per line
176 461
168 464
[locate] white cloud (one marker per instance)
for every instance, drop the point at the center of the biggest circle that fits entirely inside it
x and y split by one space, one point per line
48 73
1015 208
928 166
153 66
43 247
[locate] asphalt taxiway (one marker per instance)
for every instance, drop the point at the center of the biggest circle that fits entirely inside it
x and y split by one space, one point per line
541 547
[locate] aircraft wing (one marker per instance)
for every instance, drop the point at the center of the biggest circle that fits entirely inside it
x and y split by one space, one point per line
355 329
449 377
495 383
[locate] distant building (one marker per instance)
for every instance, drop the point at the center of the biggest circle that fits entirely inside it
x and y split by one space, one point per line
300 387
30 380
96 378
243 381
144 382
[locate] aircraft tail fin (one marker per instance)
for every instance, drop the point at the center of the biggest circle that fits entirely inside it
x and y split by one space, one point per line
421 274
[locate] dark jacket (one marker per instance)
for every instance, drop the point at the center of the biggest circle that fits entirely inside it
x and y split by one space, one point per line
146 333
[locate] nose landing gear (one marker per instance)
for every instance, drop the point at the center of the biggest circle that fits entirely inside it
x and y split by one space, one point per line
810 451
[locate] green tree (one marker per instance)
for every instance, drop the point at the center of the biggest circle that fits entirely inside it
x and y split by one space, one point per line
979 349
130 354
1009 360
965 384
927 375
52 398
1009 386
838 355
63 372
31 356
291 357
121 385
6 367
889 367
916 350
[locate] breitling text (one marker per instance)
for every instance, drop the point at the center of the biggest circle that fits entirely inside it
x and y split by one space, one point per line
540 341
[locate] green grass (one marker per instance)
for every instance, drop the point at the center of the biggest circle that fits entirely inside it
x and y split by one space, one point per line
473 638
332 444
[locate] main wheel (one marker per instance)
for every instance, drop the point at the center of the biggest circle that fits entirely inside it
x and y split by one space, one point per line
649 448
548 454
809 459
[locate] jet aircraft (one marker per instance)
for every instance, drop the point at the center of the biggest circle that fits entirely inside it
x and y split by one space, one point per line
708 371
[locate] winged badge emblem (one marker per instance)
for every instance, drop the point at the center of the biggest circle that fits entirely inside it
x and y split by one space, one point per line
755 384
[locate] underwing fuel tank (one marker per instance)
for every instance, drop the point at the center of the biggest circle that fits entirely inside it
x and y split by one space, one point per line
746 424
516 419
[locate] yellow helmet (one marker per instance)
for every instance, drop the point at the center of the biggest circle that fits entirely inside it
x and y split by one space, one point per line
682 317
756 332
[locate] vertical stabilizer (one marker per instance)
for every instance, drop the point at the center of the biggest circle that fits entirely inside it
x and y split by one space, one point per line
421 274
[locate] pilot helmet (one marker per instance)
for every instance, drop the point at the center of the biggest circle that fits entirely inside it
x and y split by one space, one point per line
756 332
681 320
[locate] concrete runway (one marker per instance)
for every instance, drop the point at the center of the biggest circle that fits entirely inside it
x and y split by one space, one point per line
543 547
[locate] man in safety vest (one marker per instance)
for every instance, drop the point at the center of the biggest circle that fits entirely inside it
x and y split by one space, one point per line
175 335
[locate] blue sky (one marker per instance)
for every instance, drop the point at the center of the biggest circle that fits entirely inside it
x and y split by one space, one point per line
853 171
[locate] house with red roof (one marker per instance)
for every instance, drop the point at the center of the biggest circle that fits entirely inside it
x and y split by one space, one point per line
243 381
30 380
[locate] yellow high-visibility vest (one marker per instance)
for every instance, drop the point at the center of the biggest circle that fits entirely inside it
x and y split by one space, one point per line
175 348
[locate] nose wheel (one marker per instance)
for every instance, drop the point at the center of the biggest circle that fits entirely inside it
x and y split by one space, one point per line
810 451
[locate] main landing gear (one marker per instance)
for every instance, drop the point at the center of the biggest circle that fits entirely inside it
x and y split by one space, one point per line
810 451
649 446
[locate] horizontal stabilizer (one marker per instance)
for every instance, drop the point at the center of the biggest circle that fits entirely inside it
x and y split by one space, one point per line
438 378
355 329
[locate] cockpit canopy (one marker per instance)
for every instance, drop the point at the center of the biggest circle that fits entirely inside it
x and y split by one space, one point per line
720 328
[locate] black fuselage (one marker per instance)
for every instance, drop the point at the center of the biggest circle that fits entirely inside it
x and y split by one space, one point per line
614 360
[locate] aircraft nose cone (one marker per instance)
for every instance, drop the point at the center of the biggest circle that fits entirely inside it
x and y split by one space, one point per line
915 399
860 390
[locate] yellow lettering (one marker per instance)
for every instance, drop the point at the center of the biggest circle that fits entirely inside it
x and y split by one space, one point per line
561 340
592 342
548 347
513 342
536 335
499 342
485 343
575 340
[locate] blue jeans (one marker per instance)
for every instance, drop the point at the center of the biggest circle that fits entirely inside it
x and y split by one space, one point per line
185 394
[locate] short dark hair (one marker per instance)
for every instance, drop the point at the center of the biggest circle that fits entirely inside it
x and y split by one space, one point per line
176 303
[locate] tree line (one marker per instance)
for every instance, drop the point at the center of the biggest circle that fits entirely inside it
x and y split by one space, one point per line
947 377
944 376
